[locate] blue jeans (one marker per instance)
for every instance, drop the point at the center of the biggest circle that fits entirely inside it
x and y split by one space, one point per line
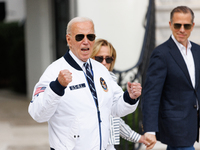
180 148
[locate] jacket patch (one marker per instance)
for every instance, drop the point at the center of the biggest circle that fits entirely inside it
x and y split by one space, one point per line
78 86
39 90
103 84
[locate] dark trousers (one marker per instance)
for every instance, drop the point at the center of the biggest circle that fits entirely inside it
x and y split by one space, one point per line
180 148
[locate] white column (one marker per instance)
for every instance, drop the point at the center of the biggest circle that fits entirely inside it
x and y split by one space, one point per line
39 40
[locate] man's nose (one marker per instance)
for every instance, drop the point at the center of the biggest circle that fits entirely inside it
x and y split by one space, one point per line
85 39
182 28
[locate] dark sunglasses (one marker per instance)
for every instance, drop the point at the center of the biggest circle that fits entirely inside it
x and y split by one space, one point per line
186 26
100 59
80 37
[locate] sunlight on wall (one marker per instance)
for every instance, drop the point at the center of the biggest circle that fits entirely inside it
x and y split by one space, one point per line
121 23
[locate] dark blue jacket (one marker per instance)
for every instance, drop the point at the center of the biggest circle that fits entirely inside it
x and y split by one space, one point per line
168 99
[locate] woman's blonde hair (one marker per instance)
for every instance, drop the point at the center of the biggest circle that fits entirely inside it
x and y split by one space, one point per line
97 46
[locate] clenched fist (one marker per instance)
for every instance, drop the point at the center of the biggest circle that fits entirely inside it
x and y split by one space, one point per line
64 77
134 89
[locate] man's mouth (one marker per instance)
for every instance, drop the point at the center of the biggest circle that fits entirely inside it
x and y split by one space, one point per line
181 36
84 49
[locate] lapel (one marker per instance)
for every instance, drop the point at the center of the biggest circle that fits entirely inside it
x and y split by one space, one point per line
196 63
176 54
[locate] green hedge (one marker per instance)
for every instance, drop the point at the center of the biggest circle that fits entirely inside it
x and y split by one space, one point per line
12 57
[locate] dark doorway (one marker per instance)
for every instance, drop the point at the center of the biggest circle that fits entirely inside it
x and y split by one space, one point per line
62 17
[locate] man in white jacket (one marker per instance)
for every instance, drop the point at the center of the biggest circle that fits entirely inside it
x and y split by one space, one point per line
78 115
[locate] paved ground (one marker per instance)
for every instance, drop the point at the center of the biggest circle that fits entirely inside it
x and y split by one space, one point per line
18 131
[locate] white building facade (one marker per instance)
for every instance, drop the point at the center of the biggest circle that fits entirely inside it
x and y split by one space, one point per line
119 21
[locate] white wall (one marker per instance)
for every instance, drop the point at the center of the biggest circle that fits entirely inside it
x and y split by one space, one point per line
121 23
15 10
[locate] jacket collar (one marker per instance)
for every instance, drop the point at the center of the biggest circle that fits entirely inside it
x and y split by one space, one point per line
73 63
176 54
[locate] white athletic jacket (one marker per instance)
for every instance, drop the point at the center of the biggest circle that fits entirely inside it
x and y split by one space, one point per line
73 120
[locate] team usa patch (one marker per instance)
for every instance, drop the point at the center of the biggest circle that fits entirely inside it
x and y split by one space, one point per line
103 84
39 90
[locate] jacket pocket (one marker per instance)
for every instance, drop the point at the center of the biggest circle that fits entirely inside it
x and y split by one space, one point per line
73 135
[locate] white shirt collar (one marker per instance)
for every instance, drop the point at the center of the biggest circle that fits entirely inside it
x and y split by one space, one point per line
180 46
78 61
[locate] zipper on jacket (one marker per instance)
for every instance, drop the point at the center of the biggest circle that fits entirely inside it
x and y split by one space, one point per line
98 112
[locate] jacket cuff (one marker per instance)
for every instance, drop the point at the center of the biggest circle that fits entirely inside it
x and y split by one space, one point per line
128 99
57 87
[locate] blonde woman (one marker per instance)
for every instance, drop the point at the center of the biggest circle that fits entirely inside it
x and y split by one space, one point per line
104 52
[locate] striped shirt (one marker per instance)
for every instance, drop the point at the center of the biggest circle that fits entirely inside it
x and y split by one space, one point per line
119 128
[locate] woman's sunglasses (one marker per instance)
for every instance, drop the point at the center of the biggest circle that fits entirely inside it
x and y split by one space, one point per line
186 26
100 59
80 37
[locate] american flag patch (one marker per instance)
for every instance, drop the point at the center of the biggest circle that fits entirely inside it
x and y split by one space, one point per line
39 90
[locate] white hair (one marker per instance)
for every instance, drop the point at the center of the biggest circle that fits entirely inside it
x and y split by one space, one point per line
75 20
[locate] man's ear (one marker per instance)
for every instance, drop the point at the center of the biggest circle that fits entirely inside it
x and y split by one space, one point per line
68 39
193 25
170 25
